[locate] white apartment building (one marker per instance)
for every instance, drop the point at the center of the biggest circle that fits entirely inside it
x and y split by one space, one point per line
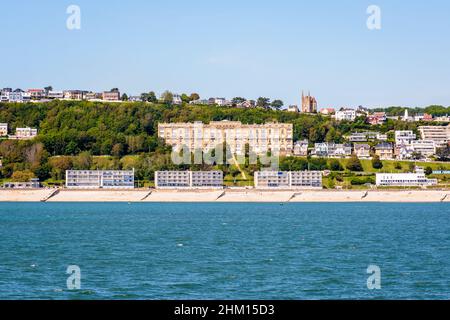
189 180
346 115
288 180
417 179
262 138
3 129
439 134
404 137
100 179
55 95
25 133
427 148
327 149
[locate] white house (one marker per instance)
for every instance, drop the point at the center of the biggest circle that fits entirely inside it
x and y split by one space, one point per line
346 115
3 129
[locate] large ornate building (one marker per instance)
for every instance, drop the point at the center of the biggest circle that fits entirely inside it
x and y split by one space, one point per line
262 138
309 104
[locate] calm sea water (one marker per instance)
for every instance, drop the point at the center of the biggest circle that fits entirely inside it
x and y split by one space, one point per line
224 251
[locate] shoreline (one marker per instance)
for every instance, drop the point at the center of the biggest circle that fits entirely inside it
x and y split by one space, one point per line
224 196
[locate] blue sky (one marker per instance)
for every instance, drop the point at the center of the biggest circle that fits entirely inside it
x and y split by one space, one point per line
234 48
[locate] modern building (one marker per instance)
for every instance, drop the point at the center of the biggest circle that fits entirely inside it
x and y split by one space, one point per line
417 179
262 138
384 150
362 151
32 184
345 115
301 148
309 104
439 134
100 179
404 137
189 180
3 129
111 96
426 148
288 180
55 95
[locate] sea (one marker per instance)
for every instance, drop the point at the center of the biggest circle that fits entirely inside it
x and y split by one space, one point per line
236 251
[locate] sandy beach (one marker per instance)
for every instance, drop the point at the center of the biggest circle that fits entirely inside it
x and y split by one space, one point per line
222 196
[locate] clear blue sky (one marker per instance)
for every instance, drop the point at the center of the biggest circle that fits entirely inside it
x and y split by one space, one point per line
233 48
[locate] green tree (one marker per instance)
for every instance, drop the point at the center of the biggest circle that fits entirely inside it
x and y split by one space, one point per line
124 97
353 164
428 171
263 102
277 104
335 165
167 97
377 163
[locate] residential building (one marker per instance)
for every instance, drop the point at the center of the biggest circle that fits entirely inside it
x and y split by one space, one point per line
73 94
135 99
189 180
328 149
32 184
293 108
3 129
328 111
404 137
439 134
17 96
426 148
377 118
444 119
100 179
384 150
362 151
262 138
177 99
358 137
404 151
25 133
92 96
309 104
200 102
55 95
417 179
36 94
221 102
382 137
111 96
288 180
246 104
301 148
346 115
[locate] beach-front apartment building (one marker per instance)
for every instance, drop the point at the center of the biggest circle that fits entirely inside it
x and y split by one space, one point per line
100 179
189 180
417 179
262 138
288 180
426 148
439 134
3 129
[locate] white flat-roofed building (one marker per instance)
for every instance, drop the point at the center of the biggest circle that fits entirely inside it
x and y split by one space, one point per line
25 133
426 148
189 180
288 180
3 129
100 179
55 95
346 115
404 137
439 134
417 179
